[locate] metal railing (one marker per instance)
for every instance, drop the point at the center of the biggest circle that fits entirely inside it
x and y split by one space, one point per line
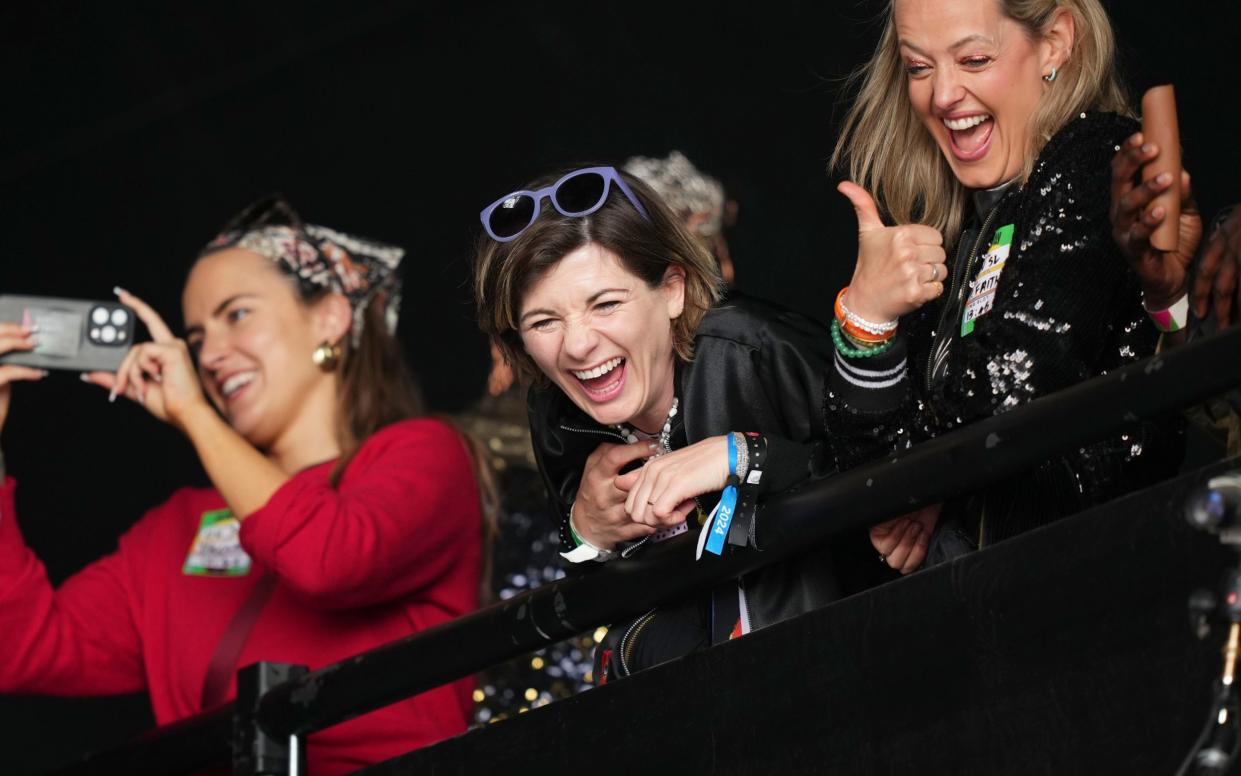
965 460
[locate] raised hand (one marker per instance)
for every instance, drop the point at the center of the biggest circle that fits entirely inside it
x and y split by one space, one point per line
158 374
899 268
1163 274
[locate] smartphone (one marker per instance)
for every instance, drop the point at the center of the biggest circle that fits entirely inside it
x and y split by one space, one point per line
77 334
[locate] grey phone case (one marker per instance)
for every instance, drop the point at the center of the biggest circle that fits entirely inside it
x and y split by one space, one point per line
76 334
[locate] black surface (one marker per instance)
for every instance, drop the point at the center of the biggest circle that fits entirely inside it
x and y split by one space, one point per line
1063 651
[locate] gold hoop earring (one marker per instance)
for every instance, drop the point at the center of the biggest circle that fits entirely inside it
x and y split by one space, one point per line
326 356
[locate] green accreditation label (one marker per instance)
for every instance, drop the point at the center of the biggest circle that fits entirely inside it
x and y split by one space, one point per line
983 286
217 551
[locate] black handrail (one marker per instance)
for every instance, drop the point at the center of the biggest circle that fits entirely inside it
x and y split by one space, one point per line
965 460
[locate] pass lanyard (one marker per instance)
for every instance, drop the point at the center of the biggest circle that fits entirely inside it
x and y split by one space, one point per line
715 530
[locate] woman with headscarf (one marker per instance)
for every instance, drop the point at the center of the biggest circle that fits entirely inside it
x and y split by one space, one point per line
338 519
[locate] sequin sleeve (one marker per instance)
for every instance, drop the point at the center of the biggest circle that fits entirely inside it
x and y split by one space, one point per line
1065 308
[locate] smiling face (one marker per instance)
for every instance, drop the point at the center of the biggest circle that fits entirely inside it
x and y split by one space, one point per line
604 337
975 80
254 337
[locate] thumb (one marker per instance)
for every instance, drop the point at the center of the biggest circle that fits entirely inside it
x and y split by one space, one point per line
863 204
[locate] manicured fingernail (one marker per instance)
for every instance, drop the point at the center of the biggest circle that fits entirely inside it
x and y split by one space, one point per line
1164 178
118 290
84 377
30 328
43 373
112 395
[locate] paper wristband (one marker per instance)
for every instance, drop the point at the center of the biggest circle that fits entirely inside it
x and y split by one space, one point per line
1172 319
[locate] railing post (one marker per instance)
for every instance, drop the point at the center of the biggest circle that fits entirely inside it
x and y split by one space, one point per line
255 753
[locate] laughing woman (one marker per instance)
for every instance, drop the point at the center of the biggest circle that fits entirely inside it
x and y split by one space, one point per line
338 520
647 403
988 127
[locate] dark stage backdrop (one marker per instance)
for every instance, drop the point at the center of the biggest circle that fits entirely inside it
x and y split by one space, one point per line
131 133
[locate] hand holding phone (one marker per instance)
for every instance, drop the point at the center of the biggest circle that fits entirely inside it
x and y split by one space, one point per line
14 338
76 334
159 374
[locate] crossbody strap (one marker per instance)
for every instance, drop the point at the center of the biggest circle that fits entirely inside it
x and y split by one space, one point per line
228 650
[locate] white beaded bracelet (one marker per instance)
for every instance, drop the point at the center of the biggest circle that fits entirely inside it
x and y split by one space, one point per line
867 326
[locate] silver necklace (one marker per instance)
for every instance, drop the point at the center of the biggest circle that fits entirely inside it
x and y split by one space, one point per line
665 434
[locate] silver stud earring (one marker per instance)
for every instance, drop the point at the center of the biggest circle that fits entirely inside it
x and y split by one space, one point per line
1050 76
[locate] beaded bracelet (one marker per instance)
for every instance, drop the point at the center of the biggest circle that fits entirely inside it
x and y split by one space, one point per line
850 321
851 352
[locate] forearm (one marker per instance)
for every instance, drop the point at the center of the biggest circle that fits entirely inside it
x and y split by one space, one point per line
79 639
245 478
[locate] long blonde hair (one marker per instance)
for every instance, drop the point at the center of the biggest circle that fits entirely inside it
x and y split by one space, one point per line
892 155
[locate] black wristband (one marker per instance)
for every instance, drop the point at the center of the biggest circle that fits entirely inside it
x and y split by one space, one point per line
747 493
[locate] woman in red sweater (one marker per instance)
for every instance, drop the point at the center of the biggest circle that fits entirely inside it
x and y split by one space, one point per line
342 517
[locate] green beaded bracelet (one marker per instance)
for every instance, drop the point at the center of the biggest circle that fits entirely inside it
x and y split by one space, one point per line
851 352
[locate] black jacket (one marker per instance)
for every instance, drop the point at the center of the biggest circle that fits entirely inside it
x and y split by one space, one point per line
1066 308
755 368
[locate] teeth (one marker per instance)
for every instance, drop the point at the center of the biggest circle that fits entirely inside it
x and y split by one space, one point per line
235 383
957 125
599 371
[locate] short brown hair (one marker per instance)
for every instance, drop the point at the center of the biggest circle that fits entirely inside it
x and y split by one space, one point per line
503 271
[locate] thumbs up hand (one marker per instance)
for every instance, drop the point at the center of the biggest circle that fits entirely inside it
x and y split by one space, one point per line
899 268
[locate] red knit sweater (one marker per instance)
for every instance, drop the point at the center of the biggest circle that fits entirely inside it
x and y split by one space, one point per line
393 550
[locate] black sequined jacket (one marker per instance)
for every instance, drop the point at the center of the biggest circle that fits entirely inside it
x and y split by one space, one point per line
1065 308
755 368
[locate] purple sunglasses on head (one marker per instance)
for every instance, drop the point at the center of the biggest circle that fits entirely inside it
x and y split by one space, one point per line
577 194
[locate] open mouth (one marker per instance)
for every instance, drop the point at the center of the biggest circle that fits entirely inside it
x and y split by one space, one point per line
235 385
603 382
970 136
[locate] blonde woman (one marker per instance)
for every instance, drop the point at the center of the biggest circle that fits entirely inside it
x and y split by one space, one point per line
984 131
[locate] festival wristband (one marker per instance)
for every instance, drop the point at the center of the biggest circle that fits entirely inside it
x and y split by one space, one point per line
747 501
584 550
1173 318
715 530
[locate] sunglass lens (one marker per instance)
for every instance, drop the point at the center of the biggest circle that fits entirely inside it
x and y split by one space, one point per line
512 215
581 193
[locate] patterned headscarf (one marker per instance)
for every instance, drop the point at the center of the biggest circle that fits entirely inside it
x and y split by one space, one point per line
320 258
